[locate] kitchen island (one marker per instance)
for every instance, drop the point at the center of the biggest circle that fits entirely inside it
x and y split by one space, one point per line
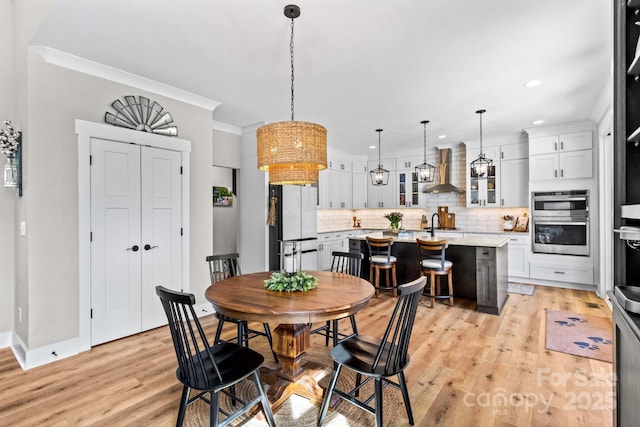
479 265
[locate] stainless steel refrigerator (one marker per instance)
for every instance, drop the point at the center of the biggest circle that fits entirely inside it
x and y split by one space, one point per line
295 220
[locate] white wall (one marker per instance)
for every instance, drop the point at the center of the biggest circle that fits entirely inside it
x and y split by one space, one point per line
7 196
226 219
48 293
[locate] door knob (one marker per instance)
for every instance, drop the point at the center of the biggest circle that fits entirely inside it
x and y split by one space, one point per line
148 247
133 248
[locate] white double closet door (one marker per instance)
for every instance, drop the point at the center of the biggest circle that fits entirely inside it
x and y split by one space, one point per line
136 233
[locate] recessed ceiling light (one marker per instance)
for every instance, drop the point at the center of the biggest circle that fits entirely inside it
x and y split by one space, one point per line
538 122
372 147
532 83
442 136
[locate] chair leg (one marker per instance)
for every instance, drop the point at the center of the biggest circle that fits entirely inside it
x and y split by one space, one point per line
183 405
358 381
354 327
405 396
218 332
377 284
267 330
395 283
327 394
242 333
432 287
450 276
335 332
266 407
378 388
213 411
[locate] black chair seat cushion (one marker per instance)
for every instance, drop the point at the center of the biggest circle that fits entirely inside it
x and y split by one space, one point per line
234 362
358 353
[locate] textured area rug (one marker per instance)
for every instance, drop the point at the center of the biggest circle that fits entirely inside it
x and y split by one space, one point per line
298 411
580 335
520 288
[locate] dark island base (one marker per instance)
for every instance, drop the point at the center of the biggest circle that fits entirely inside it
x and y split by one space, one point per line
479 273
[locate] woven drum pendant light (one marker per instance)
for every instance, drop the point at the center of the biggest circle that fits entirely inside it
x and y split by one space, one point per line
480 166
292 152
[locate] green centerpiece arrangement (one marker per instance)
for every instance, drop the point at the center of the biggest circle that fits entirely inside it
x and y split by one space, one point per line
285 282
395 218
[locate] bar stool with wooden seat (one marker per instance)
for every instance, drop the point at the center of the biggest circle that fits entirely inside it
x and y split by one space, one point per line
434 263
380 258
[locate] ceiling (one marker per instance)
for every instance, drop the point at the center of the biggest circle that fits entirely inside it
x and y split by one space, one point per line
359 64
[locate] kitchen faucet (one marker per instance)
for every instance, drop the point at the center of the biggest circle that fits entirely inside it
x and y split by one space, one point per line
433 224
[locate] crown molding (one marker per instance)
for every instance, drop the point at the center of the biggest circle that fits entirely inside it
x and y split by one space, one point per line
92 68
225 127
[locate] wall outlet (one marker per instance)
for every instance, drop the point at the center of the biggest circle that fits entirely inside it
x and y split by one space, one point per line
23 228
19 315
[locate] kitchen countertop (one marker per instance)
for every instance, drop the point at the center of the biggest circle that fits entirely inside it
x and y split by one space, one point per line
438 230
488 240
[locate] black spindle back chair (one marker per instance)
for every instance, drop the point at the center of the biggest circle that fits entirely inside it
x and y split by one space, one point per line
378 358
347 263
209 369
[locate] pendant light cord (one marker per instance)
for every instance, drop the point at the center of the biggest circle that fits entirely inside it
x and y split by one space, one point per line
291 52
425 141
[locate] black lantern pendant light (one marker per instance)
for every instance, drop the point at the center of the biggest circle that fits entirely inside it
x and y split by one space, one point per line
379 176
480 166
425 171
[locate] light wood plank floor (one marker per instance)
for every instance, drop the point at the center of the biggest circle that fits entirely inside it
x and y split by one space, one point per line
467 369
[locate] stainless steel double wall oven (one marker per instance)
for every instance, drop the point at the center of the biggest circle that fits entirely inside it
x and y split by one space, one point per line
561 222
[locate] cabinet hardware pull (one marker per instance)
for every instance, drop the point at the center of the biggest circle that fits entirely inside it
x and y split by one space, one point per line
133 248
555 173
562 145
555 146
148 247
561 173
559 272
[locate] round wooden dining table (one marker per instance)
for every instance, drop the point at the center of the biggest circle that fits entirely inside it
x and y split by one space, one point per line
244 297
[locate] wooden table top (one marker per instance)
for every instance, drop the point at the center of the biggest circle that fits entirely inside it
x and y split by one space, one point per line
245 297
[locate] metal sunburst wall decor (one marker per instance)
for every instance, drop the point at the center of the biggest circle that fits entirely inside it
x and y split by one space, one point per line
141 114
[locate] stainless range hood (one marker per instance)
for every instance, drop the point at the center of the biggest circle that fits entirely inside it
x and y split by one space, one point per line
444 173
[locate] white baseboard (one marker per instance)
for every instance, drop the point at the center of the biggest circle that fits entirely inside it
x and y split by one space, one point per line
5 339
61 350
42 355
554 284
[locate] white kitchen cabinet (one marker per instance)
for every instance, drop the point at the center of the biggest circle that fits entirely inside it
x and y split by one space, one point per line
514 183
324 250
341 189
407 188
359 185
324 189
382 196
519 255
484 192
562 156
573 273
566 165
572 141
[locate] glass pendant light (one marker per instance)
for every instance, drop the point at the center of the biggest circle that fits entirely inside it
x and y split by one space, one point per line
480 166
425 171
379 176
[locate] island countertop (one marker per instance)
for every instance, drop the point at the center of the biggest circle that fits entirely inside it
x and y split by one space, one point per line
477 240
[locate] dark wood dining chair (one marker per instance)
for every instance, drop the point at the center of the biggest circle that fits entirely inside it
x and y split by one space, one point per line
347 263
380 258
209 369
378 358
433 263
221 267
